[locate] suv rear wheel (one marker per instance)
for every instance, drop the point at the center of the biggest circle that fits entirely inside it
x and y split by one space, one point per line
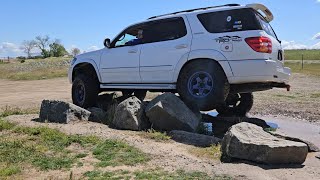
204 83
85 90
236 104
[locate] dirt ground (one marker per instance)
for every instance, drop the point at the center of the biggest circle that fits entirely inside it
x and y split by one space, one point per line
170 156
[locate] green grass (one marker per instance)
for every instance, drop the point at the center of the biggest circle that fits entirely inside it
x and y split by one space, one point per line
116 153
156 135
46 149
297 54
8 111
9 171
309 68
285 96
212 152
151 174
35 69
315 95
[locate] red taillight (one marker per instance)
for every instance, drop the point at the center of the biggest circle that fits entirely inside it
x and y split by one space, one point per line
260 44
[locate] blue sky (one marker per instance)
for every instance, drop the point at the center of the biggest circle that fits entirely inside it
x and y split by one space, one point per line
85 23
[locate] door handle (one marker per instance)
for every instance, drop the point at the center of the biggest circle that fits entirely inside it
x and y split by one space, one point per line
132 51
181 46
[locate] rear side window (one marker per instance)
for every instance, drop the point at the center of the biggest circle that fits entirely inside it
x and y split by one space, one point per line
266 26
165 30
229 21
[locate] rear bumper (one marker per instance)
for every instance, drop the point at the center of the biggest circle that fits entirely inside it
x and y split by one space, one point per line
258 71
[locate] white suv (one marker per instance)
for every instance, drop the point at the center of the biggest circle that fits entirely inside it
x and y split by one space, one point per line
214 57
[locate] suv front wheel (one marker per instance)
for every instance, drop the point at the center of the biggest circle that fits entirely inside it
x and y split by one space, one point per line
204 83
85 90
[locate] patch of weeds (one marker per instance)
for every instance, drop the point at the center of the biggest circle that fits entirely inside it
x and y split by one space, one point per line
151 174
5 125
115 153
212 152
9 171
156 135
79 164
81 155
41 147
8 111
315 95
270 129
161 174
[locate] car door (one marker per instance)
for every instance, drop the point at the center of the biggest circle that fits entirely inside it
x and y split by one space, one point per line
120 62
165 42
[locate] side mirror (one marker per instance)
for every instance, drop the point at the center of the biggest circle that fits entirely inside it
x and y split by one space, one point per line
107 43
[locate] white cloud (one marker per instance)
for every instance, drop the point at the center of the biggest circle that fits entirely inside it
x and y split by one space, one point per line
293 45
317 36
10 49
316 46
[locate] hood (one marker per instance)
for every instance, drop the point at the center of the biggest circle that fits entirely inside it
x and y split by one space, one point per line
90 55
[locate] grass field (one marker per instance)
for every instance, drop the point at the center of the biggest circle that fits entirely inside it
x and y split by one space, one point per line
308 68
297 54
35 69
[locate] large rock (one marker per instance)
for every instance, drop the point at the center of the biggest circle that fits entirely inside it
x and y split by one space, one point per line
193 138
98 115
62 112
222 124
311 147
129 115
168 112
250 142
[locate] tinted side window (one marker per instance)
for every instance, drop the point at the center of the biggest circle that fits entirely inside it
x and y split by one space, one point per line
164 30
229 21
266 26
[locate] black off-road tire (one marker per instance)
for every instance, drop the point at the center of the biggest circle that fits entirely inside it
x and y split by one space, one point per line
220 85
91 90
236 105
140 94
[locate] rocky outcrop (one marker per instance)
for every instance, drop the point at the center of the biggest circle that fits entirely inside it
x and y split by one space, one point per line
250 142
193 138
311 147
168 112
129 115
62 112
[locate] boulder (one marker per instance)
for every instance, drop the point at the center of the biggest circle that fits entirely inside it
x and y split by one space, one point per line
311 147
193 138
167 112
62 112
222 124
250 142
98 115
129 115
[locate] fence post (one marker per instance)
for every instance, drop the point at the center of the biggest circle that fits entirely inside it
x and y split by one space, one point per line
302 62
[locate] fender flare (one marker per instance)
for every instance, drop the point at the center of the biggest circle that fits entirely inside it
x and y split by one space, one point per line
81 61
203 54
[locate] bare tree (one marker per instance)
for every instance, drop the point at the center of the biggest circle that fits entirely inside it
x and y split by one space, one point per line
27 47
42 43
75 51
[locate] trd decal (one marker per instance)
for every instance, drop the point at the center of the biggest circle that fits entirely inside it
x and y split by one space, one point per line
226 39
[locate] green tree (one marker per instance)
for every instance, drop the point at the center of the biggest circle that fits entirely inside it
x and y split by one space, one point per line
57 49
75 51
42 43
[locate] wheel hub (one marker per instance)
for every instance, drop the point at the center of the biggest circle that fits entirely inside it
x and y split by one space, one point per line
200 84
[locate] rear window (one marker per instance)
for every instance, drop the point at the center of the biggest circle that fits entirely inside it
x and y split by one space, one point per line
229 21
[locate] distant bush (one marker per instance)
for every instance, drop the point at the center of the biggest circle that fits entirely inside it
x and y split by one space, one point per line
21 58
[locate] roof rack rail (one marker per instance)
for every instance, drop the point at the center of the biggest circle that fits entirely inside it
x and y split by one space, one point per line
191 10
